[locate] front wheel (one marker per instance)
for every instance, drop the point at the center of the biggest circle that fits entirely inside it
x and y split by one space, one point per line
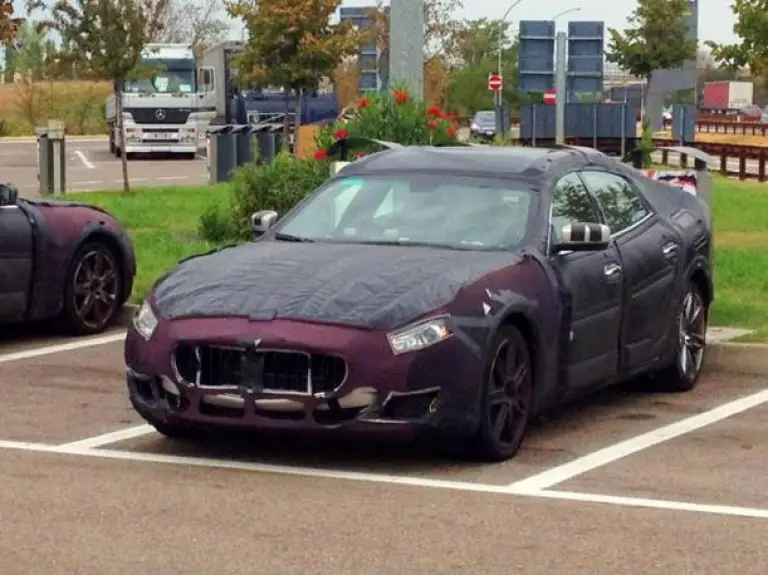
507 399
691 328
93 289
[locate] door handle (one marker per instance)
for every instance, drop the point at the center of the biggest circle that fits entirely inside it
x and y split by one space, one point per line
612 270
669 250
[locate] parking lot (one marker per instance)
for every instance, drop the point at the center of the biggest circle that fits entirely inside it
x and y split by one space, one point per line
628 481
90 166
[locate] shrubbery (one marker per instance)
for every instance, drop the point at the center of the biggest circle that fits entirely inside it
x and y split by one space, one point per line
281 184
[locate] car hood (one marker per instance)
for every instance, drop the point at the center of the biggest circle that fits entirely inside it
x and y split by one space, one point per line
375 287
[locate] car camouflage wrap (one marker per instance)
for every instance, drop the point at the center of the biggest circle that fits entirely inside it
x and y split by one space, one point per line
379 287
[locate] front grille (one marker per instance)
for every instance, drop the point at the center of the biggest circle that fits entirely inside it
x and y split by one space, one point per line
149 115
217 366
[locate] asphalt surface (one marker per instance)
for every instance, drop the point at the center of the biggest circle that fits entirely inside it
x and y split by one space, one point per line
91 167
76 501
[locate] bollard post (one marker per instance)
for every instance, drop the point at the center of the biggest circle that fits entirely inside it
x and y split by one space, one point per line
58 157
43 163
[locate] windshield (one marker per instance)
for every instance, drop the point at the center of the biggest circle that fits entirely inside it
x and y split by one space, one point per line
166 77
431 210
485 118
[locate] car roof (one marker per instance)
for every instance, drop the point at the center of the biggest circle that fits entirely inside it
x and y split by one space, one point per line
499 161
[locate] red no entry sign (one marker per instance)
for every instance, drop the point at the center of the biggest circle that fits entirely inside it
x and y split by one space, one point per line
495 82
550 97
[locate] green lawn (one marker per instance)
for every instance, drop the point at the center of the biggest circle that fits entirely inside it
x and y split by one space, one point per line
163 223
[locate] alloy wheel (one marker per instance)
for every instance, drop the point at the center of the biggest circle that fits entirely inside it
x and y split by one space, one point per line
692 335
95 288
510 393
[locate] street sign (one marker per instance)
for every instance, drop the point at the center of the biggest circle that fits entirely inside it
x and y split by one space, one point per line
550 97
495 82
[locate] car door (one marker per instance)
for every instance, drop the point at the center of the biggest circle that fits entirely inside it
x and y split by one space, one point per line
15 262
593 286
649 257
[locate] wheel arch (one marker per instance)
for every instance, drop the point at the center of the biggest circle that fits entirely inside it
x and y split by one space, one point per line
701 280
522 321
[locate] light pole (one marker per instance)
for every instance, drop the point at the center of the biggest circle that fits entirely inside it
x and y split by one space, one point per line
564 12
499 101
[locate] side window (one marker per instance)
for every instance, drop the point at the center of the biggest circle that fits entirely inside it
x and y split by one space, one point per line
205 81
571 203
621 205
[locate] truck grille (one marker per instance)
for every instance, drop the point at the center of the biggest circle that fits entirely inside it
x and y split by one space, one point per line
150 115
217 366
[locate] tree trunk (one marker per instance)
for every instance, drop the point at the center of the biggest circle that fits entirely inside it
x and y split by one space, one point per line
297 122
121 137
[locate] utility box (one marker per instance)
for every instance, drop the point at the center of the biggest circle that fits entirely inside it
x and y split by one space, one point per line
221 153
51 159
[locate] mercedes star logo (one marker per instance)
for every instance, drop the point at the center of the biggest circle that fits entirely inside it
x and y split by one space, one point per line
160 114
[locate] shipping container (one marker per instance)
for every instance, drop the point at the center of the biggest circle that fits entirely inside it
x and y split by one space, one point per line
726 95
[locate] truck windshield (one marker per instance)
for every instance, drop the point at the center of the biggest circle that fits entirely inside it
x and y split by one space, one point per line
164 77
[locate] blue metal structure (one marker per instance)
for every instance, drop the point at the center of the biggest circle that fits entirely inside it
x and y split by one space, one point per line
594 121
586 55
684 123
536 55
368 56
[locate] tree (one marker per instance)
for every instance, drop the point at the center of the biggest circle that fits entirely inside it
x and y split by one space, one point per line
656 39
9 25
30 51
291 44
479 40
197 22
752 29
106 40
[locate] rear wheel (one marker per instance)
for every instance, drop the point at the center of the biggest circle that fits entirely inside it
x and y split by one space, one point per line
507 399
691 327
93 289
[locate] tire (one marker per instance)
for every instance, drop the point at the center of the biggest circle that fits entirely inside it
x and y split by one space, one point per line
691 326
507 389
104 288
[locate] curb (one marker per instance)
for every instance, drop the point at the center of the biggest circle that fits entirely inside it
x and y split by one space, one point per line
723 357
32 139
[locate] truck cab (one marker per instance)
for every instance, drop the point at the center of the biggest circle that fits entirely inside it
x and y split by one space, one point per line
163 110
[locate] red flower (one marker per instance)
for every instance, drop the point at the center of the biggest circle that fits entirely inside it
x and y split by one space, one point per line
321 155
401 96
435 112
362 103
432 125
341 134
359 155
451 132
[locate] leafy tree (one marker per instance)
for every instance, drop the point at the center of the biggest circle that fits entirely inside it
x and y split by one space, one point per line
196 21
291 44
656 38
9 25
752 29
30 51
479 40
105 39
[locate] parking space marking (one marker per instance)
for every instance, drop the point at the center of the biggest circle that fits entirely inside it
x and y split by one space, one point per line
51 349
86 162
109 438
552 477
410 481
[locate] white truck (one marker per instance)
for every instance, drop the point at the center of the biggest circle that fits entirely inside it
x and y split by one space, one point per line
162 113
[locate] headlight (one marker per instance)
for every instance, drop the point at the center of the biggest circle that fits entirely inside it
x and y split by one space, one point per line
419 336
145 321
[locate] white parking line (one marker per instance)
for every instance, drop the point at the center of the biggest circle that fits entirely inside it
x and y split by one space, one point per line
51 349
86 162
612 453
410 481
109 438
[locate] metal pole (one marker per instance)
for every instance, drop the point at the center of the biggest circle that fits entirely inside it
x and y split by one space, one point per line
406 45
560 82
499 100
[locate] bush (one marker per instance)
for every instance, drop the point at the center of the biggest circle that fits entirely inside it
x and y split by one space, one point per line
393 117
278 186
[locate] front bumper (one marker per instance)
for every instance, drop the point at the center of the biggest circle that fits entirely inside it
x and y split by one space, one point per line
435 388
150 148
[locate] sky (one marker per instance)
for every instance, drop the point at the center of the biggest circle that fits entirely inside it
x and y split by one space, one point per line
715 16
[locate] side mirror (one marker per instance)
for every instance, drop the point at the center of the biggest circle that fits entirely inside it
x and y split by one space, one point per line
8 195
583 237
261 221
